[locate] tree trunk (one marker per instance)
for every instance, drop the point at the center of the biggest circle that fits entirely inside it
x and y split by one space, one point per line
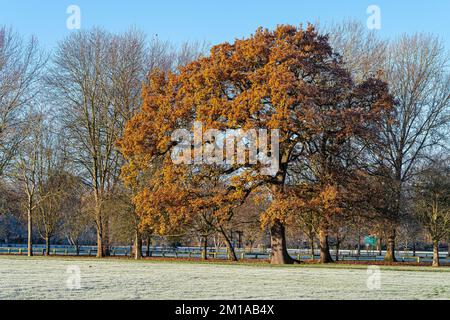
414 248
47 245
99 226
338 244
30 233
137 245
105 241
325 256
436 253
448 248
147 250
358 248
280 254
390 250
380 246
311 245
100 253
205 248
232 253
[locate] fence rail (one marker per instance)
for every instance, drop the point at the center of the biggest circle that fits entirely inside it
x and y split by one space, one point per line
192 252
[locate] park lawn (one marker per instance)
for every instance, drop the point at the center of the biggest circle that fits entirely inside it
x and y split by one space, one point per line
46 278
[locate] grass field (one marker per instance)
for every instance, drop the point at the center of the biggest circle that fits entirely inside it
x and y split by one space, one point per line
46 278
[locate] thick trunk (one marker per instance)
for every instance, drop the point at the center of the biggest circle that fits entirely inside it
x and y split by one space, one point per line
435 253
30 233
231 253
205 248
137 245
390 250
325 256
47 245
280 254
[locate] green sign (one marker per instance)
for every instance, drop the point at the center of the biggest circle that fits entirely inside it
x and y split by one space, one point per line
370 240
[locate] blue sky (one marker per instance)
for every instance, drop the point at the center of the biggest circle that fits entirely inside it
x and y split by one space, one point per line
218 21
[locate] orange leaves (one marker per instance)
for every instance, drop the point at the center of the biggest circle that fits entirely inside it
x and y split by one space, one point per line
287 79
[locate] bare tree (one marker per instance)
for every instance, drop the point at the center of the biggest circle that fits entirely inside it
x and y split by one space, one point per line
432 203
21 64
54 187
416 68
77 220
417 71
26 171
96 80
363 52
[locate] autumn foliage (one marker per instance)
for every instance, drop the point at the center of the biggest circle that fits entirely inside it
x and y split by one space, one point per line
287 79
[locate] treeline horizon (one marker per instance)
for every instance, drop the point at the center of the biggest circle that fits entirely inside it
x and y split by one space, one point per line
85 139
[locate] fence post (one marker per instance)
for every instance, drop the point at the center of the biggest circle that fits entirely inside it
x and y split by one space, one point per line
20 251
243 255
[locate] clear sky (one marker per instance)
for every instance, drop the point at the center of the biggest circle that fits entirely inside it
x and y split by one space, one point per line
218 21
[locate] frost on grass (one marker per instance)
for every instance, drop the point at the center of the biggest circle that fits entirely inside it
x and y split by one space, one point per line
37 278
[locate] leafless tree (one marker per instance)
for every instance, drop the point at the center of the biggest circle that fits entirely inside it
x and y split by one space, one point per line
96 79
432 203
77 221
21 64
362 50
26 170
54 186
417 71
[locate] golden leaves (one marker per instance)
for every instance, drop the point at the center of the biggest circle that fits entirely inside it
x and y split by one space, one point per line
287 79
